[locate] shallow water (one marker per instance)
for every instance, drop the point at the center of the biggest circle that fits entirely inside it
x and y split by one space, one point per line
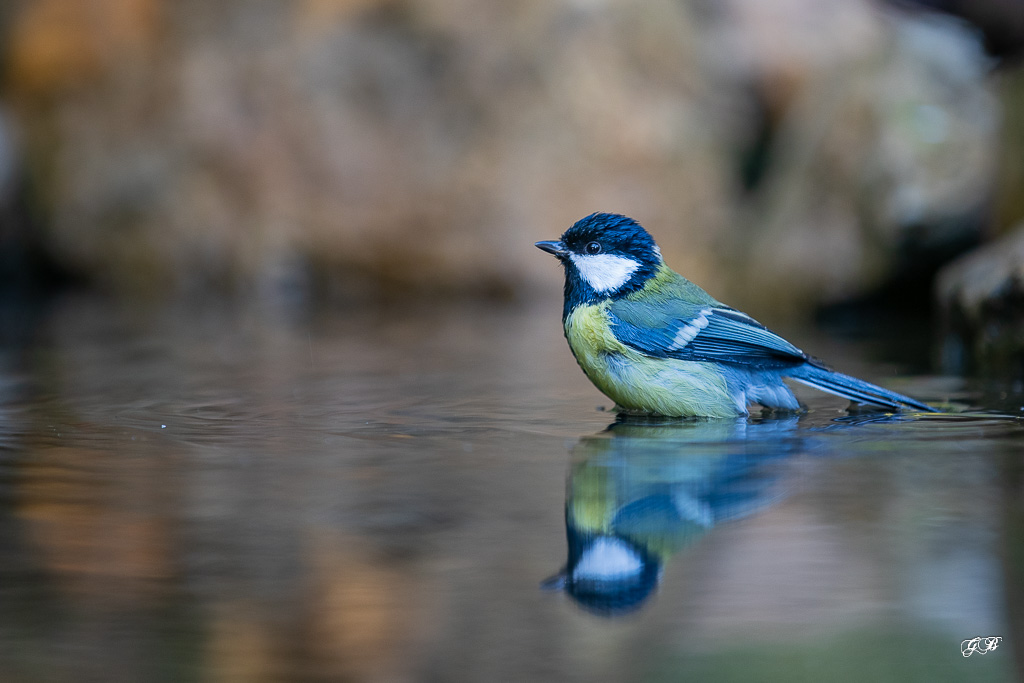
233 494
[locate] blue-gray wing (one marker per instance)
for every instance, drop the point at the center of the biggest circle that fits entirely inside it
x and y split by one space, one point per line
674 329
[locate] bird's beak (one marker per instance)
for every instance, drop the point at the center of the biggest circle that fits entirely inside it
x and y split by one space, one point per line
554 583
553 247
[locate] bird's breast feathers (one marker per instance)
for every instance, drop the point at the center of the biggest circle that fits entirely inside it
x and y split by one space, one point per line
637 382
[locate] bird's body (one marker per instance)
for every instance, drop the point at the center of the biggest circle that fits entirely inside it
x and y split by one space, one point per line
640 383
657 344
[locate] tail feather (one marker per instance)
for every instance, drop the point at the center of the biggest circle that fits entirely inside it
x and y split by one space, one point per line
855 389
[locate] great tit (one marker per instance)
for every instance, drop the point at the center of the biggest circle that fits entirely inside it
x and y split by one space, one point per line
640 492
657 344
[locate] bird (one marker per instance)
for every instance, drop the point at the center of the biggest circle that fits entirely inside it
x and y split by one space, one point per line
632 503
659 345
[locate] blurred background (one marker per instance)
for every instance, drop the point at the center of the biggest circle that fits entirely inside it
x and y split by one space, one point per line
787 154
283 390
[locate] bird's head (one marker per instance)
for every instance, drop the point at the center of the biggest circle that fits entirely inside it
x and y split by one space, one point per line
606 256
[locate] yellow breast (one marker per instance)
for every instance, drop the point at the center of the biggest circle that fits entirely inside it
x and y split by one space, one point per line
639 383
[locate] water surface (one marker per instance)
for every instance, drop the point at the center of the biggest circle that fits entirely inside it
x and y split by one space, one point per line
238 494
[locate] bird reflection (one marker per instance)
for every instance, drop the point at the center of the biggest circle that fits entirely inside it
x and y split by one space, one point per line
640 492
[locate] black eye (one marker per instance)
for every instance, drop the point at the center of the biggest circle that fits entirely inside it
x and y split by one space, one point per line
593 248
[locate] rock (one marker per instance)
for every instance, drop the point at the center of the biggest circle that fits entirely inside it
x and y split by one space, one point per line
981 296
359 147
884 158
363 148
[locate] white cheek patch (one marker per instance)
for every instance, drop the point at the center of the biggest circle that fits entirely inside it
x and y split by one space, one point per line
690 330
604 272
608 559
